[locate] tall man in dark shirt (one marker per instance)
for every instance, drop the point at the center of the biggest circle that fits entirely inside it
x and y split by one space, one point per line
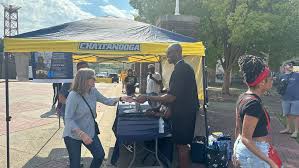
183 99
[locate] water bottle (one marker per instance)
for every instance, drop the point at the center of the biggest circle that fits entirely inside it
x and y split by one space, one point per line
138 107
161 125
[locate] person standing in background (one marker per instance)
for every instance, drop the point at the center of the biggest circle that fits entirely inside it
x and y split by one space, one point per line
153 81
123 76
56 89
130 82
290 100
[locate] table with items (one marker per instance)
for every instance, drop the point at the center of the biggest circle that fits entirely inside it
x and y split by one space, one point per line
132 125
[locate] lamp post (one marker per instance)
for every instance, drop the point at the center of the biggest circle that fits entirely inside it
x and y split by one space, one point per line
11 28
177 7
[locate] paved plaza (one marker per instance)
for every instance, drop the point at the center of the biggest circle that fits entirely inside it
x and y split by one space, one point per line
36 139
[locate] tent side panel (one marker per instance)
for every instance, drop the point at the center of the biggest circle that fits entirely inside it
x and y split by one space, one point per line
195 63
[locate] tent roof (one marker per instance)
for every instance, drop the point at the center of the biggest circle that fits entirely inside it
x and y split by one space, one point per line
107 29
103 36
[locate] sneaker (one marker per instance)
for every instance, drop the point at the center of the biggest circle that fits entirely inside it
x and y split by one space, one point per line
286 131
294 135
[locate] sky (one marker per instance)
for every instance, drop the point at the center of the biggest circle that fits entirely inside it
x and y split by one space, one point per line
37 14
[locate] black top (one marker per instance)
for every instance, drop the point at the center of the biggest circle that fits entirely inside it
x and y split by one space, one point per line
182 85
131 81
253 107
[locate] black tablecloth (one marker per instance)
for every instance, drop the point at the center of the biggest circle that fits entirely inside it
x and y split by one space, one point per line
135 126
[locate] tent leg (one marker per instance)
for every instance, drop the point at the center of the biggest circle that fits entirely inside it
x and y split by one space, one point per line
8 118
205 104
59 125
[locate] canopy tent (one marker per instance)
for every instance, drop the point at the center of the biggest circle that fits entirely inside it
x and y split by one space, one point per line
108 39
127 37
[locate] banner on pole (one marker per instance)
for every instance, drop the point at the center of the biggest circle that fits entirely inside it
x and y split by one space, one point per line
52 67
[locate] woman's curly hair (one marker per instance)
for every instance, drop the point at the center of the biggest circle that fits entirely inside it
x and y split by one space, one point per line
251 66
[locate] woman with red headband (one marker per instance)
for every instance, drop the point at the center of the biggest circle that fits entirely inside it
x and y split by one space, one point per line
252 121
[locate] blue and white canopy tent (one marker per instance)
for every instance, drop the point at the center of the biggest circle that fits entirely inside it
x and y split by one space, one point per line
110 39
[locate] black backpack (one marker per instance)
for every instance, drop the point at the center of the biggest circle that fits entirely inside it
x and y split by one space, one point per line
282 85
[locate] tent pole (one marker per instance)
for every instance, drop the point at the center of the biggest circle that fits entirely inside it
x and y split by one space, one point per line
160 67
7 109
140 77
161 72
205 103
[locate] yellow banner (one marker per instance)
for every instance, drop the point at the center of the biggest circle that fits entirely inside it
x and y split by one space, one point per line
98 51
96 47
113 58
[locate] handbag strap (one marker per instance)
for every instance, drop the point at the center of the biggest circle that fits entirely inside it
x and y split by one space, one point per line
88 106
268 120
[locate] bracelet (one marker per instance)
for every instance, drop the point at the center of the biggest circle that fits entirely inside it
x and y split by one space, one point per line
81 133
119 99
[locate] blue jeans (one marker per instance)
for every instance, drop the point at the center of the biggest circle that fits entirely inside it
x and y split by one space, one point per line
74 149
246 158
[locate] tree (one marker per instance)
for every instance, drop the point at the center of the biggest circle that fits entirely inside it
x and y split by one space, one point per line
231 28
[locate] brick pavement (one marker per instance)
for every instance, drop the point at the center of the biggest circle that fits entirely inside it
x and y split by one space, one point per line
286 146
36 142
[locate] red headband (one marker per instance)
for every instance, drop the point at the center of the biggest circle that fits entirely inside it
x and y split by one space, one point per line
261 77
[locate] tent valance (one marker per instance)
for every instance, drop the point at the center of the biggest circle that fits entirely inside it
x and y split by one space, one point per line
98 47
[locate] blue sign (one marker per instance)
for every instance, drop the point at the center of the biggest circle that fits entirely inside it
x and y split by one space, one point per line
52 67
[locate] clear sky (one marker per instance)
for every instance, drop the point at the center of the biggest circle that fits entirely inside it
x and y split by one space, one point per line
37 14
118 8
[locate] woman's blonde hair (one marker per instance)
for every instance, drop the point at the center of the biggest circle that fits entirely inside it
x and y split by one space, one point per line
80 84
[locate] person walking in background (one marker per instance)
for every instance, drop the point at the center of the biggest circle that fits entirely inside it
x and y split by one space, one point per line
80 113
183 100
65 90
252 143
56 88
290 99
123 76
154 81
130 82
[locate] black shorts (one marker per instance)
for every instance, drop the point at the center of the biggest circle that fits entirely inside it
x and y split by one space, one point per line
183 126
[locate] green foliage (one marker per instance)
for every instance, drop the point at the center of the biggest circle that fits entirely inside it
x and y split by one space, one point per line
1 45
231 28
150 10
255 26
